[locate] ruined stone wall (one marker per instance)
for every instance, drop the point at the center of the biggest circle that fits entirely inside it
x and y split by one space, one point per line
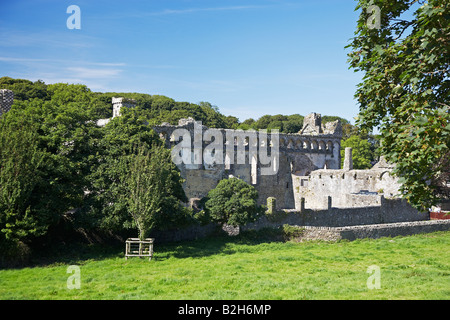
389 211
393 217
299 154
349 188
248 155
373 231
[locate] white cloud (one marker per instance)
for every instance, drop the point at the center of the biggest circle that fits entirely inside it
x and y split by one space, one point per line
81 72
9 59
45 38
98 76
195 10
27 60
191 10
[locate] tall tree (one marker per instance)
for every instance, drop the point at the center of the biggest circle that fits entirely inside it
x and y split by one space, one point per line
148 186
134 187
20 165
405 89
65 137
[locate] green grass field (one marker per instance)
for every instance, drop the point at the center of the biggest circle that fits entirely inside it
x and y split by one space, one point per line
246 267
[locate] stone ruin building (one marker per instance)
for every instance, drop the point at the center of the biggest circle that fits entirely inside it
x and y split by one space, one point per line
304 182
307 167
298 155
297 174
315 147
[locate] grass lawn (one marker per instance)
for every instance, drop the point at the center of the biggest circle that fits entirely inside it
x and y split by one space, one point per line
246 267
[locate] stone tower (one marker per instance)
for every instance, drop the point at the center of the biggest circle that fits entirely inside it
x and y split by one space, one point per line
312 124
6 100
121 102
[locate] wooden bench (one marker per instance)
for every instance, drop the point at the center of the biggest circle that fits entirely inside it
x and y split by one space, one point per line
134 247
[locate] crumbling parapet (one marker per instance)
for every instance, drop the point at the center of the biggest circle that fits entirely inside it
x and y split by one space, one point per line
240 152
312 125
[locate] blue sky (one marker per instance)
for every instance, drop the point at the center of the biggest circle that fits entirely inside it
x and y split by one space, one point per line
249 58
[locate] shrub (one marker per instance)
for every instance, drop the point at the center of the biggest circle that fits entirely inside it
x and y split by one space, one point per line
14 253
232 202
292 232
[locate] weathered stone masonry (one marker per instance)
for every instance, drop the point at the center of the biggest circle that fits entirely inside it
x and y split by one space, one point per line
373 231
308 187
348 187
299 155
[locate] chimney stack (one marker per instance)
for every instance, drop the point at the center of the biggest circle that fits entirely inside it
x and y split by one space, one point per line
348 160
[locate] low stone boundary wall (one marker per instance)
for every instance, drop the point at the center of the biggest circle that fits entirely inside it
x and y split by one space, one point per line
391 211
392 218
373 231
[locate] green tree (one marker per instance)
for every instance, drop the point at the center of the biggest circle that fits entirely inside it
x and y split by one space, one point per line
162 102
213 118
111 202
65 137
405 90
25 89
20 165
263 122
292 126
232 202
247 124
232 122
362 154
349 130
276 124
148 188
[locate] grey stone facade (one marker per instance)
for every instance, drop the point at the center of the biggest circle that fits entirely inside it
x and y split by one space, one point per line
307 189
299 155
348 187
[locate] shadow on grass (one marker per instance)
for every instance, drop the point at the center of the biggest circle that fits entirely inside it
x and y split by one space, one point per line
75 253
219 243
216 244
80 253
